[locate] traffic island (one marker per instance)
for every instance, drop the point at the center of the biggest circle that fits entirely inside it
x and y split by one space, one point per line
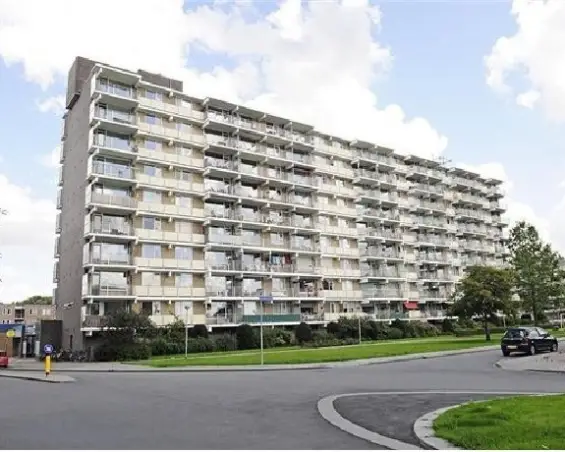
36 376
531 422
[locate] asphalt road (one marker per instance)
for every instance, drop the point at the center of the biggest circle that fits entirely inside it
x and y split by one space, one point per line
241 410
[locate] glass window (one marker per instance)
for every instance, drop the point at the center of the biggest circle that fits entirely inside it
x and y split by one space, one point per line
183 252
151 251
183 200
153 95
183 280
153 145
152 170
150 279
152 119
152 196
151 223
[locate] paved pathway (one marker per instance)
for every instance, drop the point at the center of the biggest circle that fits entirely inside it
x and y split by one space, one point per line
242 410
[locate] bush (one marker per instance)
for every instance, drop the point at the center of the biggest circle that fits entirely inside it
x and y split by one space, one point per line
466 332
394 333
225 343
303 333
125 352
199 331
276 337
448 326
374 330
246 338
160 346
334 329
200 345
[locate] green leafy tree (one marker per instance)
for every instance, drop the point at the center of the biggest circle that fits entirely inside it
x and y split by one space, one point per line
482 292
37 300
538 273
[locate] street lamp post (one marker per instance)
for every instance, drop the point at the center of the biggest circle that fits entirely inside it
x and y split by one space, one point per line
262 300
186 333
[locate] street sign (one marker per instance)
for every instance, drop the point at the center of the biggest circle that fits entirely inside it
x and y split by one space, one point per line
10 334
265 299
48 349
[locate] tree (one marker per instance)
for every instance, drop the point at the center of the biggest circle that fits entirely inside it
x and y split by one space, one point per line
483 292
37 300
538 274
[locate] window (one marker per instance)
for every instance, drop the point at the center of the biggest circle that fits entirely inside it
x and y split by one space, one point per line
151 170
183 280
152 119
183 200
153 95
183 175
183 252
150 279
151 251
152 145
183 227
152 196
151 223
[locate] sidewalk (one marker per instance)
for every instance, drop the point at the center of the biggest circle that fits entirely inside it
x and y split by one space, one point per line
546 362
30 365
37 376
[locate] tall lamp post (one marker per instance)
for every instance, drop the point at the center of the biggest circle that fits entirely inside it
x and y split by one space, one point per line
262 300
186 308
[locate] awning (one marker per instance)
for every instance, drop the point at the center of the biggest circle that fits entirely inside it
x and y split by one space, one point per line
411 305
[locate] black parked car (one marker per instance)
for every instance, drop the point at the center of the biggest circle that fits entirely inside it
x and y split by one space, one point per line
527 339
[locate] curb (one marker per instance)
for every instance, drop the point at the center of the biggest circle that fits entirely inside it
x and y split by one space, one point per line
278 367
42 378
424 425
424 430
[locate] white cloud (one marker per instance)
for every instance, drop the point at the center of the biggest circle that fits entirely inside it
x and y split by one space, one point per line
27 234
535 52
315 63
54 104
52 159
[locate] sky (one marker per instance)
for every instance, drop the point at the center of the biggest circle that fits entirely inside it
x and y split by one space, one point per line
479 82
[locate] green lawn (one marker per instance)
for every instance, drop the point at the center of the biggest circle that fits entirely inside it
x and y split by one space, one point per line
320 355
514 423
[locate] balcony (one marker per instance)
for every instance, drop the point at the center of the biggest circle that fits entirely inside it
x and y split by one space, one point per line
94 321
109 291
380 234
272 318
427 189
434 294
432 240
117 121
378 253
379 273
116 230
108 170
383 293
377 195
169 236
340 251
110 201
115 93
115 262
436 276
434 258
341 272
170 157
384 215
336 295
170 263
163 291
372 177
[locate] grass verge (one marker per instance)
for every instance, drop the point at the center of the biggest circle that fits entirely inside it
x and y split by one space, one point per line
523 422
320 355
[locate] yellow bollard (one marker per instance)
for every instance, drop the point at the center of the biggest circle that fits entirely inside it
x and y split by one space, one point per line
47 365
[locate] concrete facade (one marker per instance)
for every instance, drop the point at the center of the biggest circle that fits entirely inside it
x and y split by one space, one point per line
192 208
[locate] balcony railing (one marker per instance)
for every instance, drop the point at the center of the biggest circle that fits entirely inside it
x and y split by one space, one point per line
112 170
115 89
109 291
109 229
382 293
115 116
272 318
108 260
112 200
382 273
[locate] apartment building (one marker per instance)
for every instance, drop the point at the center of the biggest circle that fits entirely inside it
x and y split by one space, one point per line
193 208
26 314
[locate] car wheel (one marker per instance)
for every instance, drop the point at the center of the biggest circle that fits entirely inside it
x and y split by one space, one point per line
532 350
505 352
554 347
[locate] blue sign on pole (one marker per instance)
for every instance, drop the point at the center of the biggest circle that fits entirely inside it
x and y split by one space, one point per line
266 299
48 349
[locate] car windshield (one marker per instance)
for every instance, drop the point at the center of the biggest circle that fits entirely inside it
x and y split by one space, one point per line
515 333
